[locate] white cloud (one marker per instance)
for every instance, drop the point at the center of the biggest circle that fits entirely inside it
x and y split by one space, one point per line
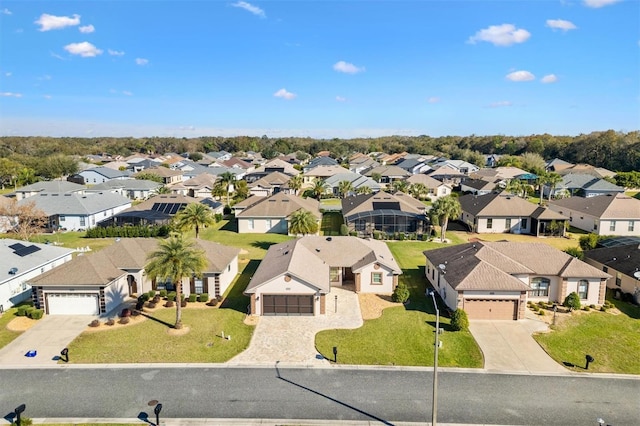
520 76
595 4
84 49
50 22
8 74
115 52
87 29
501 35
341 99
282 93
549 78
561 24
47 96
127 93
55 55
11 95
250 8
45 77
142 61
500 104
6 11
346 67
433 100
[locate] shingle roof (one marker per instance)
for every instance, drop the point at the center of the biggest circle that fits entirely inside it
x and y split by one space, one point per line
586 181
76 204
381 200
131 184
426 180
479 184
496 204
605 206
161 171
268 181
625 259
279 205
356 180
107 172
52 186
9 259
388 171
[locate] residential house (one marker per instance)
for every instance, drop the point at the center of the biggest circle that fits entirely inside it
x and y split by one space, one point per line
275 165
602 215
357 181
322 173
498 212
494 280
157 210
414 165
583 185
556 165
622 262
98 175
238 163
200 186
320 161
220 155
21 261
270 184
98 283
498 175
74 212
296 277
384 212
477 186
168 176
491 160
435 188
462 166
58 186
447 174
388 174
134 189
598 172
362 164
271 214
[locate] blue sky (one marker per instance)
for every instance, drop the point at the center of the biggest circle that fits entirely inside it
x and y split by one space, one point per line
318 68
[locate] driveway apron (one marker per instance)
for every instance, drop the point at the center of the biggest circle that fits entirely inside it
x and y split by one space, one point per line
509 346
291 339
48 337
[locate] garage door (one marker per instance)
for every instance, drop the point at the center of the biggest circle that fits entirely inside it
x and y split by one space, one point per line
273 304
495 309
73 304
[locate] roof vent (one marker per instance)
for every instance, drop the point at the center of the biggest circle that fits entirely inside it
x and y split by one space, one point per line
13 271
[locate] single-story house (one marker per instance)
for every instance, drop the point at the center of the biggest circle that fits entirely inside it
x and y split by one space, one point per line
414 165
271 214
296 277
357 181
168 176
387 174
98 175
384 212
603 215
621 262
462 166
498 212
157 210
21 261
95 284
274 165
494 280
322 173
270 184
435 188
58 186
319 161
134 189
73 212
447 174
197 187
598 172
583 185
362 163
477 186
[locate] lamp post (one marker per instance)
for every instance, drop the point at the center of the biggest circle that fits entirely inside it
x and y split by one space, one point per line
434 406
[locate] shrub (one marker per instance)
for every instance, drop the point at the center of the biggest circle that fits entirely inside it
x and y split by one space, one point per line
124 320
604 308
572 301
193 298
218 217
151 305
344 230
24 421
171 296
36 314
401 236
163 293
23 310
401 293
459 320
586 308
213 302
204 297
627 297
152 294
143 297
575 252
541 312
219 298
169 304
110 322
592 306
376 235
588 242
94 323
425 237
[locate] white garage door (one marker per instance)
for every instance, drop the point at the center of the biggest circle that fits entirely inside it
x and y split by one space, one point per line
73 304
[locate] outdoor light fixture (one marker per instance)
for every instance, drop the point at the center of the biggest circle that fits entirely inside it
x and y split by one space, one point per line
19 410
157 410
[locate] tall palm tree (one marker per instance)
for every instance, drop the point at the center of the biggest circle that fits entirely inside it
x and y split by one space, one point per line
553 179
319 188
302 222
344 188
227 179
195 215
176 258
543 179
219 190
444 208
295 183
242 190
418 190
517 188
400 185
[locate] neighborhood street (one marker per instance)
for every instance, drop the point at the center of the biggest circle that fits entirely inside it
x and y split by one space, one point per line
384 395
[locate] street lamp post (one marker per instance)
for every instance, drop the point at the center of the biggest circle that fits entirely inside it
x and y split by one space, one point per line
434 406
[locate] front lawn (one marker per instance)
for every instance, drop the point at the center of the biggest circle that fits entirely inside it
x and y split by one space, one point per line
611 338
560 243
6 336
404 335
331 222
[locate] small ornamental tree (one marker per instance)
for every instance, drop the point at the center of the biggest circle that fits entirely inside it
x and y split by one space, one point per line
459 320
588 242
572 301
401 293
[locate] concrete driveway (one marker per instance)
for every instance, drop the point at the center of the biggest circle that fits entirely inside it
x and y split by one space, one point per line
291 339
509 346
48 337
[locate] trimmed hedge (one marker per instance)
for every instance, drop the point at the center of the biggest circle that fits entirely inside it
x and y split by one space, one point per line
193 298
128 231
204 297
36 314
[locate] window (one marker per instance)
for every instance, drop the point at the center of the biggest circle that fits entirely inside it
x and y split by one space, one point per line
612 225
61 218
630 228
583 289
82 221
539 287
489 223
197 285
605 269
250 225
507 223
334 275
524 223
269 225
376 278
618 279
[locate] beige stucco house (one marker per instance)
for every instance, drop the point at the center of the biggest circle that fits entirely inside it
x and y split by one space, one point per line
622 262
271 214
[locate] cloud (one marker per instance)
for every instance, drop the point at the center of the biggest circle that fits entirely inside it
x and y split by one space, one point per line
500 104
501 35
250 8
433 100
127 93
346 67
84 49
142 61
8 74
47 96
282 93
341 99
549 78
87 29
55 55
45 77
561 24
520 76
6 11
50 22
11 95
115 52
596 4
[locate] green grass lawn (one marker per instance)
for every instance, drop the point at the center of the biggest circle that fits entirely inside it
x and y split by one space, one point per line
404 335
331 202
611 339
6 336
331 222
69 239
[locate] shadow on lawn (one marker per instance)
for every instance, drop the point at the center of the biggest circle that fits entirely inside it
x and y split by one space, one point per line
235 299
264 245
231 226
151 317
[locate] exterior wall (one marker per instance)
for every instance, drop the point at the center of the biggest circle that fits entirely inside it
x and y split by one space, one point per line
499 225
593 295
627 283
591 223
74 222
91 177
259 191
280 286
43 291
227 276
116 293
555 288
278 225
366 285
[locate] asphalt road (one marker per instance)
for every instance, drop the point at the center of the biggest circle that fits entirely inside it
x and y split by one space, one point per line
385 395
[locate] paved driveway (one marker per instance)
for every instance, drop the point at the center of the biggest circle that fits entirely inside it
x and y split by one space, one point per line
48 337
509 346
292 339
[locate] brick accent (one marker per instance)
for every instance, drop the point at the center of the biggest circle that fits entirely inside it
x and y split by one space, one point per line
253 304
603 291
358 285
395 281
522 305
323 304
563 290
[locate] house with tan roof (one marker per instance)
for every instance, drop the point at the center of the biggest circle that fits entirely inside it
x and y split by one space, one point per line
603 214
296 277
494 280
196 187
271 214
274 165
435 188
95 284
388 174
322 173
270 184
168 176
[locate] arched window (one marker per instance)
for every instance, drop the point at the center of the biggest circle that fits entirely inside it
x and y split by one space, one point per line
583 289
539 287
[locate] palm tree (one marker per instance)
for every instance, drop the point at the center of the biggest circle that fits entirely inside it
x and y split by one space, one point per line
444 208
319 188
517 187
344 188
295 183
418 190
400 185
302 222
219 190
176 258
195 215
227 179
364 189
161 190
543 179
242 190
553 179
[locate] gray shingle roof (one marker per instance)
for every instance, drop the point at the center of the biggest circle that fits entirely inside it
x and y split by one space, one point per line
605 206
496 204
381 200
279 205
52 186
107 172
9 259
76 204
127 184
625 259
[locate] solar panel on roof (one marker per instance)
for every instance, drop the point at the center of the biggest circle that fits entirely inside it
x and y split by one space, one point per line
27 250
175 208
16 246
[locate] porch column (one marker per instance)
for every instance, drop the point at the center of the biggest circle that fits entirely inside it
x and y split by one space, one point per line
253 304
603 291
563 290
395 281
357 279
522 305
323 304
